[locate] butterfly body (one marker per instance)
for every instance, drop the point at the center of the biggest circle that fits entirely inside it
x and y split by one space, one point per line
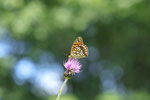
79 49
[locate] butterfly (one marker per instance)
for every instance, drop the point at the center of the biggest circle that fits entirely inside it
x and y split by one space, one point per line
79 49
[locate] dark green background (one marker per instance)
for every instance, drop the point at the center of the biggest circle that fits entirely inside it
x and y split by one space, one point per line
117 33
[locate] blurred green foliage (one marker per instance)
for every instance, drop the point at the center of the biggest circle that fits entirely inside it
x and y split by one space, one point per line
118 29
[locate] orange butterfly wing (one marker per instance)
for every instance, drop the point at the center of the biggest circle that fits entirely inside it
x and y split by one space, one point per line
79 49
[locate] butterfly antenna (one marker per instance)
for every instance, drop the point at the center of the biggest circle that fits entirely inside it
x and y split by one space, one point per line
66 54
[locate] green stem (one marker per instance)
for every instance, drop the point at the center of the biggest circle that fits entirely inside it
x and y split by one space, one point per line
62 87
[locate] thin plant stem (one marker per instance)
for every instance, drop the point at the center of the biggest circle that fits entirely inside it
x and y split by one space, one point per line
62 87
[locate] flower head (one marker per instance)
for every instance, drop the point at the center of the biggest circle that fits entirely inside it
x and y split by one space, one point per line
72 66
